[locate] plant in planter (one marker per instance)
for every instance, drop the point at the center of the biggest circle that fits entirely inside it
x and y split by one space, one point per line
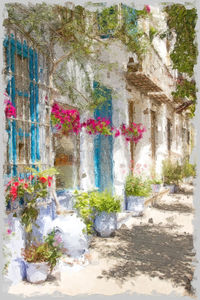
156 184
172 174
133 132
136 190
98 210
188 170
41 258
106 206
66 119
28 190
99 126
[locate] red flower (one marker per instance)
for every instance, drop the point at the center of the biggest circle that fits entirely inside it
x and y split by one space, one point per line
9 231
16 183
49 180
25 185
30 177
13 192
43 179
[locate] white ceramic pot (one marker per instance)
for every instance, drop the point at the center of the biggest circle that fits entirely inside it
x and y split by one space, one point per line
171 187
105 223
135 204
156 188
37 272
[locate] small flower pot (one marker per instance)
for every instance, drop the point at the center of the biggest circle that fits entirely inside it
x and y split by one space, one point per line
156 188
105 224
37 272
172 188
135 204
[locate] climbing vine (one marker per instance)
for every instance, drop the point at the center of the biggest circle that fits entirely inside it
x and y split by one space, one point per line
184 55
80 33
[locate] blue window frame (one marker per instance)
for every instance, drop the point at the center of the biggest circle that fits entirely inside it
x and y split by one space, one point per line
24 129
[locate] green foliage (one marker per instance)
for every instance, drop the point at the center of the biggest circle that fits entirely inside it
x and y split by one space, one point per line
136 186
107 20
75 31
91 203
172 172
49 251
156 181
186 89
152 33
188 170
184 54
42 173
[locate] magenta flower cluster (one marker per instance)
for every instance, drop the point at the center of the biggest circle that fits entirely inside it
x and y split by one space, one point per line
99 126
10 110
147 8
69 121
134 132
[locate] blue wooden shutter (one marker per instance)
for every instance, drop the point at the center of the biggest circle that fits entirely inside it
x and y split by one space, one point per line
103 145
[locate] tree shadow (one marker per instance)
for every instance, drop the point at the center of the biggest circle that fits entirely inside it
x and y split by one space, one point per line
152 251
176 207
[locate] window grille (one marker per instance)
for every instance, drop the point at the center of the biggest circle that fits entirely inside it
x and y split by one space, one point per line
29 134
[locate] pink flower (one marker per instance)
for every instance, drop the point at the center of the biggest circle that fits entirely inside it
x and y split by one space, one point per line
147 8
9 231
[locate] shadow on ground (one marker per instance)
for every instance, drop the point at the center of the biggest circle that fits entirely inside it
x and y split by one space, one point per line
176 207
149 250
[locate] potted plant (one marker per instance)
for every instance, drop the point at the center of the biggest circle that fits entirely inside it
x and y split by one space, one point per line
41 258
188 171
98 211
172 175
156 184
136 189
22 194
106 206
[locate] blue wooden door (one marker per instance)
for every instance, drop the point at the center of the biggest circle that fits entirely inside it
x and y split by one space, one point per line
103 145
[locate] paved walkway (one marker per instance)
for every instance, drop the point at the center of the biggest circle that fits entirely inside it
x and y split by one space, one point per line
152 253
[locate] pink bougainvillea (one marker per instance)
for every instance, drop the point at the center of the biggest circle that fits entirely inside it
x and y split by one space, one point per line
66 119
147 8
134 132
99 126
10 110
69 121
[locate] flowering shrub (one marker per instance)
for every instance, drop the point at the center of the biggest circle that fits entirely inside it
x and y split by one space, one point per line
30 189
10 110
99 126
133 132
68 120
137 186
49 251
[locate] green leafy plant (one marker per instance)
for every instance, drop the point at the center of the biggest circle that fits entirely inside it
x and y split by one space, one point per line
184 55
188 170
137 186
156 181
49 251
172 172
91 203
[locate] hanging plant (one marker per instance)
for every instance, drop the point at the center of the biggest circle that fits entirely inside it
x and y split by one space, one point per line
134 132
65 119
99 126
